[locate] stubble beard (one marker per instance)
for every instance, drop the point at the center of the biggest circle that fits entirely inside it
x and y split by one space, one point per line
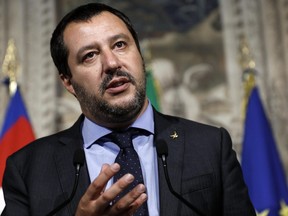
102 110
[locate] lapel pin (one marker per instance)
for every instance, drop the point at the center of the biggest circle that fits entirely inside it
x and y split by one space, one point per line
174 135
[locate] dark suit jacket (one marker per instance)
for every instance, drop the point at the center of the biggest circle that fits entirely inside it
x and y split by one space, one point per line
201 164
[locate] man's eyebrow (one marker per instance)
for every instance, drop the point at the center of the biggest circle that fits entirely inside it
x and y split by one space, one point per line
87 47
119 36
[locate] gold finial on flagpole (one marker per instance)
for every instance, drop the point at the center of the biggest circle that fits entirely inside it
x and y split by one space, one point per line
245 59
248 65
10 66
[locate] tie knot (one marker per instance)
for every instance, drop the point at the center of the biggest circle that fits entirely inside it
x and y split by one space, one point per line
123 138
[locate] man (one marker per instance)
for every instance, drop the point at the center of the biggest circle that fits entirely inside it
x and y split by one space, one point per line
97 53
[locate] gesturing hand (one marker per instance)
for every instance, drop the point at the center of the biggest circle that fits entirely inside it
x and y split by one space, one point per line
97 201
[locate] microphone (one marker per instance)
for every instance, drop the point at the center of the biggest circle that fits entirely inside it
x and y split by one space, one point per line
78 162
162 151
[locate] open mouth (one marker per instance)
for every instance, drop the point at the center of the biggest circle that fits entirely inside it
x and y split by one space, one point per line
118 85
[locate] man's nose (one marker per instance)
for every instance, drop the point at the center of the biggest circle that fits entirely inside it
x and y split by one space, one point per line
110 61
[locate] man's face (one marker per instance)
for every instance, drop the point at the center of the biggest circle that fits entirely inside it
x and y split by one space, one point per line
108 75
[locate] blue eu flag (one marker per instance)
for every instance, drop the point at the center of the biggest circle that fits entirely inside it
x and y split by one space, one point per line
262 168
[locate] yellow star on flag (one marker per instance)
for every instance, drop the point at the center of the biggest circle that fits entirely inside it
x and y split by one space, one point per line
284 209
263 213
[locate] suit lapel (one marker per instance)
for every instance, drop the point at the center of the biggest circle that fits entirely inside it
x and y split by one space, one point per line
69 141
169 131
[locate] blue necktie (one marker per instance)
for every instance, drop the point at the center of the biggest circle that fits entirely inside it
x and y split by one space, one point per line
129 162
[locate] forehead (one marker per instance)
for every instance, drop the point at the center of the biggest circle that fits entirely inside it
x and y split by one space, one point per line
102 24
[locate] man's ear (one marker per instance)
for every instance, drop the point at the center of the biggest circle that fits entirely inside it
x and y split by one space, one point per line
66 81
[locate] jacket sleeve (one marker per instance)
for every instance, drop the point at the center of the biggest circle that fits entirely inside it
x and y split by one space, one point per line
236 199
15 192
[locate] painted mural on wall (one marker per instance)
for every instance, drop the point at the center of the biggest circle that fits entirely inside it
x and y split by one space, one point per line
190 70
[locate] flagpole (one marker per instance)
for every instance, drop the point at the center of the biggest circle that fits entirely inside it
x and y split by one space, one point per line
248 66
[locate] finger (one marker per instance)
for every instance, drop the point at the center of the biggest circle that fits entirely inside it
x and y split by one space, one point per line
104 166
96 188
131 201
88 202
137 203
110 194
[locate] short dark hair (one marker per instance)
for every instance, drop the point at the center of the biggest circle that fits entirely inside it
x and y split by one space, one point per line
59 51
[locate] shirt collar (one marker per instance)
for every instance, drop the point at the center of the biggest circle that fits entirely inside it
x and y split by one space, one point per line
92 131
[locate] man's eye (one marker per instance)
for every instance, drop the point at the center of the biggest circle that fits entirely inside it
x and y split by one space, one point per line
120 44
89 55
